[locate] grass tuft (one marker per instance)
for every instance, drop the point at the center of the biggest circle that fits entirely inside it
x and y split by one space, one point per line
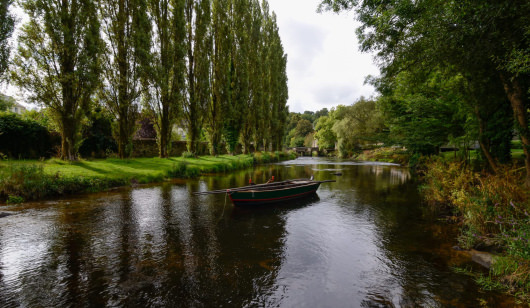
495 214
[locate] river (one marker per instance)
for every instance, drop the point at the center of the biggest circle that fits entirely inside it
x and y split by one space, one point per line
362 241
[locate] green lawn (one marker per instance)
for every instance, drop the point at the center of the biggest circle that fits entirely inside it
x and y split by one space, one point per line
130 168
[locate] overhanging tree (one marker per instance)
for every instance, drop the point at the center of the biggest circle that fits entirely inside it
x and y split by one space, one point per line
7 23
468 36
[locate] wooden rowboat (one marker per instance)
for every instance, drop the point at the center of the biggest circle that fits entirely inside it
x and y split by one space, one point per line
270 192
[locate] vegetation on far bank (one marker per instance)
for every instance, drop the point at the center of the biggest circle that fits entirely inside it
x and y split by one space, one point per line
32 179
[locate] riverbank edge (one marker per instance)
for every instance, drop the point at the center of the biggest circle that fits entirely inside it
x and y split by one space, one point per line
492 211
458 194
37 180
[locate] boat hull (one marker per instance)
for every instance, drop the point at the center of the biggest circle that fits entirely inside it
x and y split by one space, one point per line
242 198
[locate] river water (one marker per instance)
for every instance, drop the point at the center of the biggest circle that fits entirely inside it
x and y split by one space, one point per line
362 241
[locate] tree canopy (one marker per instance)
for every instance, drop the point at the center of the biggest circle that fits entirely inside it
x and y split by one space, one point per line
7 24
214 68
484 43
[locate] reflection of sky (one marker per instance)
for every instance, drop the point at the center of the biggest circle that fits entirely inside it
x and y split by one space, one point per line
329 261
25 244
359 243
326 161
147 212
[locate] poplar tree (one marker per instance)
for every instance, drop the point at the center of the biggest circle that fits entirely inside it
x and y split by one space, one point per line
167 72
7 23
127 32
58 62
239 76
220 73
277 94
255 41
198 74
263 112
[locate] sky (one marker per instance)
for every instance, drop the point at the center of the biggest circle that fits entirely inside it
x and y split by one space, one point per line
325 67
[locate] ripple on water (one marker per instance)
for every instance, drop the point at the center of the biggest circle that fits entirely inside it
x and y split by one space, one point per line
362 241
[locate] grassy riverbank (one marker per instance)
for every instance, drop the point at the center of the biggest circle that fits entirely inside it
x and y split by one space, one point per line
493 211
22 180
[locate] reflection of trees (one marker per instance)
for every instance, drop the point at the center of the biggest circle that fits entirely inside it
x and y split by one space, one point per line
164 246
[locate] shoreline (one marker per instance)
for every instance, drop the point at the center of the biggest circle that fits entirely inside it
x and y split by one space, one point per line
32 180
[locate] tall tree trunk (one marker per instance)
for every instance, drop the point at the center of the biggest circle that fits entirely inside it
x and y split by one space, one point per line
122 84
68 129
485 148
165 132
515 94
123 135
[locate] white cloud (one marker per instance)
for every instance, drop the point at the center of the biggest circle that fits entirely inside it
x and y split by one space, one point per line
325 67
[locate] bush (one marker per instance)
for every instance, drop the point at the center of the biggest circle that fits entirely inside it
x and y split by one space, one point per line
25 138
183 170
14 199
494 210
187 154
97 136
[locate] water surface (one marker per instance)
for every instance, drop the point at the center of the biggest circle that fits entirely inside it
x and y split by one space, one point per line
363 241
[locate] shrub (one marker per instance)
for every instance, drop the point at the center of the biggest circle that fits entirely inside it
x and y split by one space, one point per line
14 199
97 136
25 138
494 210
187 154
183 170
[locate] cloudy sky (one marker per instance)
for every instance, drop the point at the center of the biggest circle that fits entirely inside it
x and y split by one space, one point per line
325 67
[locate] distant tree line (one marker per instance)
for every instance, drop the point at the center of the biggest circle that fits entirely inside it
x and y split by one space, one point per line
215 67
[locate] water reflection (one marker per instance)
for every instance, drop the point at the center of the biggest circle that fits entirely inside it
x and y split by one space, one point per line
361 242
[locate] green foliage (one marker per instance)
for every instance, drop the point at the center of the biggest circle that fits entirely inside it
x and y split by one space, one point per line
182 170
357 125
302 131
7 24
167 68
58 62
485 44
40 116
303 128
36 180
24 138
297 142
425 116
6 102
12 199
494 209
127 30
324 133
198 52
187 154
97 135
